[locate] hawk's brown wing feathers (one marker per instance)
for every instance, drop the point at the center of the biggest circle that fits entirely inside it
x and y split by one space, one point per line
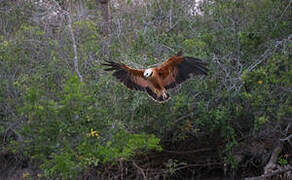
177 69
169 74
132 78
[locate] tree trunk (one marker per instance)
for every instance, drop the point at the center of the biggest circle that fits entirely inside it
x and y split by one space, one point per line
106 15
106 26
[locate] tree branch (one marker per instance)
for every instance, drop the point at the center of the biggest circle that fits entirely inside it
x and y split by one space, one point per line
262 177
74 48
189 152
273 160
286 9
288 138
140 169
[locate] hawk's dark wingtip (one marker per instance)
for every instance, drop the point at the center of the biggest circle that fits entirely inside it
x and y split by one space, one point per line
112 65
180 53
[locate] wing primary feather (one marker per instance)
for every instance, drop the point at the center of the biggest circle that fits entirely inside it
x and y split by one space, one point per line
131 78
198 67
109 69
113 65
184 69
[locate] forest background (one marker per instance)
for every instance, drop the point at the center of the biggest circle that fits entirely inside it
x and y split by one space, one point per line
62 116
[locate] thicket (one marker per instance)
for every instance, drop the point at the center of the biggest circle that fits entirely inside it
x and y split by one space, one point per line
55 125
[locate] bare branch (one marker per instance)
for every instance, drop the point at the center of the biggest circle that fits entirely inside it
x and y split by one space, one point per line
200 165
57 10
189 152
74 48
268 52
286 9
287 139
273 160
262 177
140 169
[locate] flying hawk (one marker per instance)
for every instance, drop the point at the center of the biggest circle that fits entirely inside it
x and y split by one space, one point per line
156 80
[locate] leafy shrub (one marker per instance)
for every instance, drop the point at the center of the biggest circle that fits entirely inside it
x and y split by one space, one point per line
58 127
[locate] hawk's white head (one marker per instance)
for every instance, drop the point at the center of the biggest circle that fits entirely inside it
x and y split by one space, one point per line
148 73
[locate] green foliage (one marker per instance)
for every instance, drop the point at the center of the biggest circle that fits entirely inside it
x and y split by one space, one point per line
59 128
172 165
92 151
61 164
282 161
68 126
265 90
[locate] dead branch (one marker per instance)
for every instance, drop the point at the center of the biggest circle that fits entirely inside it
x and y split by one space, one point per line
74 48
268 53
200 165
140 169
273 160
287 7
121 169
183 117
262 177
58 9
288 138
286 133
189 152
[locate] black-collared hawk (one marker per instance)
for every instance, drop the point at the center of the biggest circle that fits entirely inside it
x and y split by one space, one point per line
156 80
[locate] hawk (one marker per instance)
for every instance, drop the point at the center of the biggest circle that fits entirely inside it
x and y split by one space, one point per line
155 81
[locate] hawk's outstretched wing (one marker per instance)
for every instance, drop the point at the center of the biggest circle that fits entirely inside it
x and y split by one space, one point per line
132 78
177 69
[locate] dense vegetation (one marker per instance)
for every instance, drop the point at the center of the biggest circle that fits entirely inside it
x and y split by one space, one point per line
62 116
